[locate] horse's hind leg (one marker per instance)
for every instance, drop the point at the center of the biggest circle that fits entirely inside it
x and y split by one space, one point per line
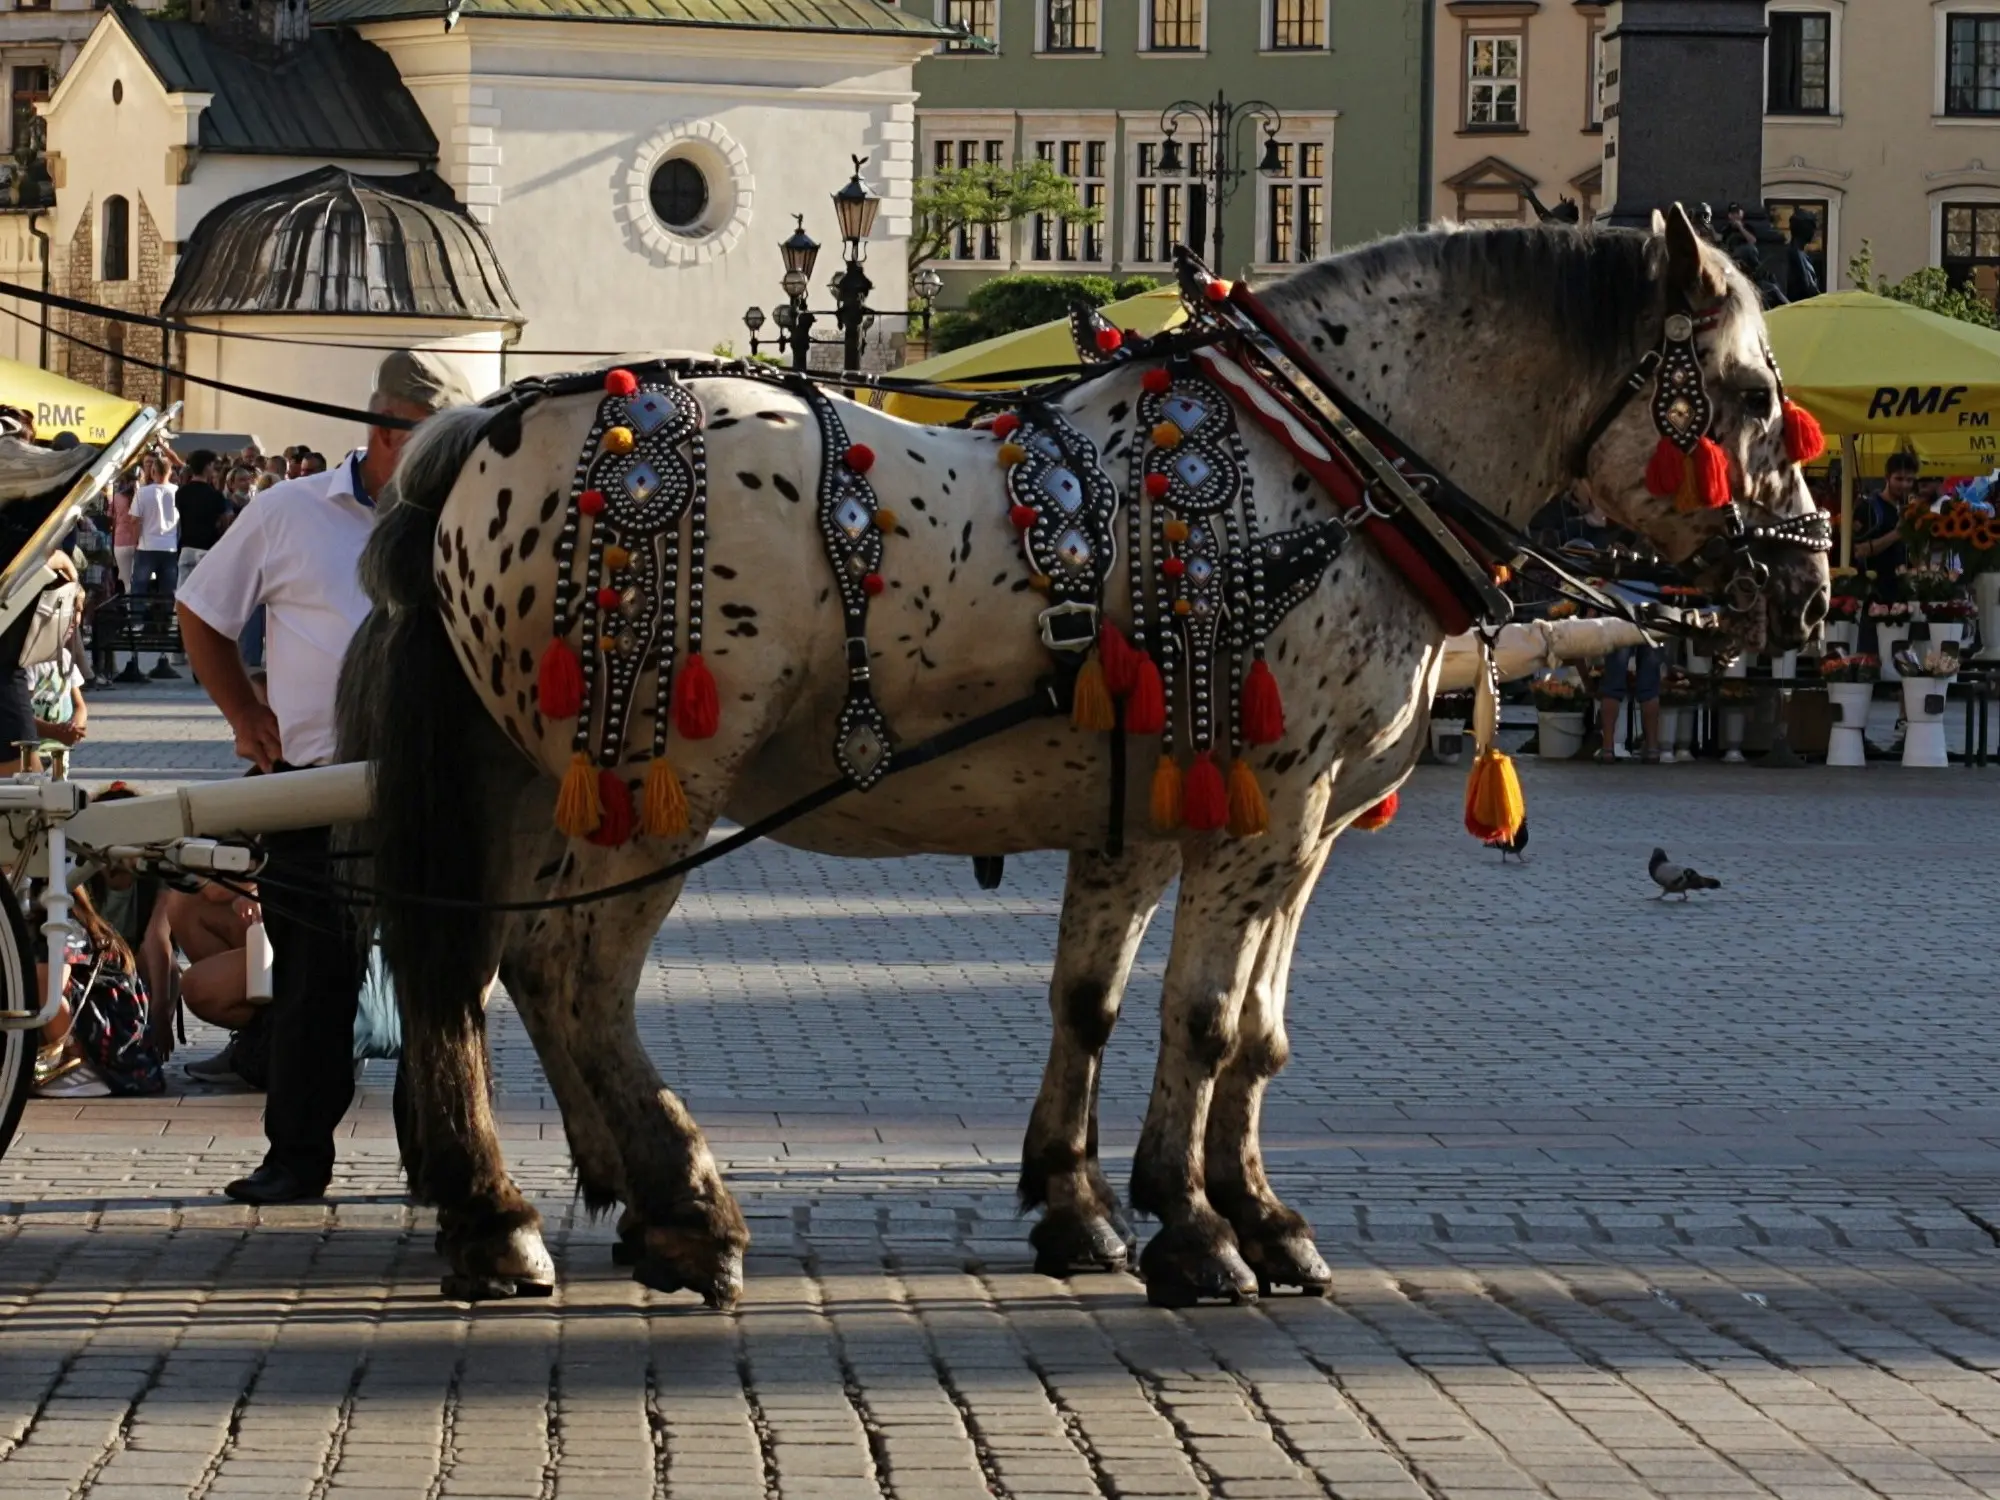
577 969
1107 904
1231 893
1273 1239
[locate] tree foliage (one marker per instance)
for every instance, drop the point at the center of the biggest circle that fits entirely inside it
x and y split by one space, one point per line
989 195
1009 303
1930 289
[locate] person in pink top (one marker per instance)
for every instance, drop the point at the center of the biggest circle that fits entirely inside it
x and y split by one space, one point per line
124 533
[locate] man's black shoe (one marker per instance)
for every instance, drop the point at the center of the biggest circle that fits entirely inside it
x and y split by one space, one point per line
274 1184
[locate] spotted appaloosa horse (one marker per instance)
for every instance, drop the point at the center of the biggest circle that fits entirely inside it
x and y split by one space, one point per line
1489 351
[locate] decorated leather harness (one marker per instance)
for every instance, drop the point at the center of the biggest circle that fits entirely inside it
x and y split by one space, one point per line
1206 588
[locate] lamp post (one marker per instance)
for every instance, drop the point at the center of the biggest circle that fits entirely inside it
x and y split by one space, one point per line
927 284
854 210
1218 133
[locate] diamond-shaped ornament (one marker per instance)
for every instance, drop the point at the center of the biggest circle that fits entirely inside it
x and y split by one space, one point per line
1200 570
852 517
862 749
1073 550
1184 412
1063 487
648 411
641 480
1193 469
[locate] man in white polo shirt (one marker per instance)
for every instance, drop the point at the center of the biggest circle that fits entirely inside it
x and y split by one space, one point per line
295 550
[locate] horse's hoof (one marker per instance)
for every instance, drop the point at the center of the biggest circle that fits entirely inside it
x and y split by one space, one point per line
1067 1242
1290 1261
462 1288
1184 1266
627 1253
719 1285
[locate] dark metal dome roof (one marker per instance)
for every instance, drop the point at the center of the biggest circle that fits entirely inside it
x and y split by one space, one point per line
334 241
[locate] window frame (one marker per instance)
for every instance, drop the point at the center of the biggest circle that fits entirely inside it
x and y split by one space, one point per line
123 240
1044 20
1137 181
1944 15
1302 131
1980 204
1826 206
1268 32
16 94
1518 39
1101 136
1833 12
996 146
942 15
1149 28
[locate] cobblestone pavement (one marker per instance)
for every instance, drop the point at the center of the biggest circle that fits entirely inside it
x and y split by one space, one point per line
1624 1198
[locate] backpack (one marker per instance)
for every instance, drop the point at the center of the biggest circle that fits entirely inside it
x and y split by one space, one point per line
108 1020
52 623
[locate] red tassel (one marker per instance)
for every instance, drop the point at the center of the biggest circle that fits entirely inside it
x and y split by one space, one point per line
1204 797
1663 469
1146 708
1711 473
559 682
618 821
696 709
1263 710
1119 660
1804 438
1381 815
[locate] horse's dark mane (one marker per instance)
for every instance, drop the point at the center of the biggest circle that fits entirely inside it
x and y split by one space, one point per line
1598 290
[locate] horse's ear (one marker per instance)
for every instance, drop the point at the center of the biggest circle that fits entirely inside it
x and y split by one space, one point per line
1659 224
1689 268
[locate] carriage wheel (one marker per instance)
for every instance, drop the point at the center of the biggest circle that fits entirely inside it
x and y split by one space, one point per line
17 991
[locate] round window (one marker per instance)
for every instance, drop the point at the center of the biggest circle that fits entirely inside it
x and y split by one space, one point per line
679 194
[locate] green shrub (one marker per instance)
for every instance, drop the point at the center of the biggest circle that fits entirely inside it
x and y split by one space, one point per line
1007 304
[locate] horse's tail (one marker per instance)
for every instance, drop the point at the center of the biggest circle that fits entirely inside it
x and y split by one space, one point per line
406 705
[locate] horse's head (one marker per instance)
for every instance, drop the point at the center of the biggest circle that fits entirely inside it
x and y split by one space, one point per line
1751 556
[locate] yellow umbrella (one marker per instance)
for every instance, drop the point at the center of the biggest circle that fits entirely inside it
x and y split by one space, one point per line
1941 455
61 405
1025 349
1875 370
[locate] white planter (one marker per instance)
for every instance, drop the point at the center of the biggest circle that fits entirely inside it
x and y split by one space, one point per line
1733 720
1684 727
1559 734
1784 666
1889 634
1670 727
1846 743
1448 740
1846 634
1986 594
1938 632
1697 664
1923 731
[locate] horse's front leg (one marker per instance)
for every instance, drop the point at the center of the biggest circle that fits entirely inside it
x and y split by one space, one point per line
1274 1239
1107 904
1231 892
577 970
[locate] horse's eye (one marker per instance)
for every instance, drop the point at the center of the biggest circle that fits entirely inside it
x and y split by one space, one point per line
1759 401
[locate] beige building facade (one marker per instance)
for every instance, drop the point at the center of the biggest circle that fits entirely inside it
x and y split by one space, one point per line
1881 116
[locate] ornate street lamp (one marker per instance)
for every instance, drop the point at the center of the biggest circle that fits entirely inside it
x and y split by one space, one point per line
1218 129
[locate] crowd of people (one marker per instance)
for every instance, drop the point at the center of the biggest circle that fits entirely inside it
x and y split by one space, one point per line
228 542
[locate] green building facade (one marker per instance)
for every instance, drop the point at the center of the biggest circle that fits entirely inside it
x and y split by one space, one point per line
1083 83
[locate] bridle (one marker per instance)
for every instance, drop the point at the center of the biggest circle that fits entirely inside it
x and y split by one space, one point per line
1683 412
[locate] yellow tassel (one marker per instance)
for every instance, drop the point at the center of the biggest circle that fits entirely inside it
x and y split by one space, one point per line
1091 709
665 814
579 809
1687 496
1167 794
1496 801
1249 814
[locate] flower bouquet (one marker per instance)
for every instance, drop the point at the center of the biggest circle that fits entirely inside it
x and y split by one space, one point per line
1945 611
1558 695
1453 705
1893 611
1562 609
1559 698
1843 608
1928 585
1678 690
1858 666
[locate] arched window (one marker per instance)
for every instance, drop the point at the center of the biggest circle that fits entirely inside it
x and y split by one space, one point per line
116 233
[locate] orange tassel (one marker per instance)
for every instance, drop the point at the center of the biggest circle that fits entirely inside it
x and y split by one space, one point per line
1805 440
1146 709
1121 662
1381 815
579 809
665 811
696 709
1665 469
617 823
1204 799
1166 796
559 681
1263 709
1711 474
1249 813
1091 708
1494 807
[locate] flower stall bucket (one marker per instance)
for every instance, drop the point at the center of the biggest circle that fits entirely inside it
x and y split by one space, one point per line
1670 728
1560 733
1846 743
1889 635
1846 634
1784 666
1733 722
1986 595
1923 712
1448 740
1684 728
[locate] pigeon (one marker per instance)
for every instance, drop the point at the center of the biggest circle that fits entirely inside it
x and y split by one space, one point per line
1516 846
1678 880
